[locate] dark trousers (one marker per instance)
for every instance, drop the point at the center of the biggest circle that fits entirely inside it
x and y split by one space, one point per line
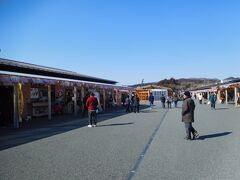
131 107
151 104
189 129
163 104
92 117
175 103
213 105
127 107
136 108
169 105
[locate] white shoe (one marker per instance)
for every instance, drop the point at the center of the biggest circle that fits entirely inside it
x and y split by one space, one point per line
89 125
94 125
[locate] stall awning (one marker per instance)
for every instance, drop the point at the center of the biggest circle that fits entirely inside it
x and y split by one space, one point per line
12 79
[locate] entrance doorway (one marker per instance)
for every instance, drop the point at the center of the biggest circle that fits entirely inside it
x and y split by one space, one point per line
6 106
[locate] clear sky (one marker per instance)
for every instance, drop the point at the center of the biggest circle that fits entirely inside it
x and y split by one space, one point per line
125 40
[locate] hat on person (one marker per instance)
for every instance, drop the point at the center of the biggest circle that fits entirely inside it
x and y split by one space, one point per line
187 93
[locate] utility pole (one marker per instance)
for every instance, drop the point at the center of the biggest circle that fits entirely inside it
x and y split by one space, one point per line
142 81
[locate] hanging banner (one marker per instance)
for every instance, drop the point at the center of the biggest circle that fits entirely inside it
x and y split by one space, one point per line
37 81
15 79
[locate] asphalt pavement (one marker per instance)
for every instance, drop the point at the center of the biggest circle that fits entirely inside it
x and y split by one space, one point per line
145 145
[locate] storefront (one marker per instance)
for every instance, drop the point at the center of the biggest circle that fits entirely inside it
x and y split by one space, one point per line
227 92
157 91
46 92
6 105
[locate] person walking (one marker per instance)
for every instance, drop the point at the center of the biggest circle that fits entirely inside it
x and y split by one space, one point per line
200 97
213 99
238 99
92 104
175 100
163 100
127 103
195 96
132 102
151 100
136 103
169 102
188 108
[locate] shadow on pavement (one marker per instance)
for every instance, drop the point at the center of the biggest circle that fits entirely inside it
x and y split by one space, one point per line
117 124
148 111
213 135
46 128
221 108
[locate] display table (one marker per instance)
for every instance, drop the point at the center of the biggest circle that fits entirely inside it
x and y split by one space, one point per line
39 109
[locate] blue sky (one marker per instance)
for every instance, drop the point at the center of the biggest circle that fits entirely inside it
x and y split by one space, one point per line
125 40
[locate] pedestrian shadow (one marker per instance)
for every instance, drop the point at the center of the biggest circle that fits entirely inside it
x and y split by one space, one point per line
117 124
213 135
221 108
149 111
45 129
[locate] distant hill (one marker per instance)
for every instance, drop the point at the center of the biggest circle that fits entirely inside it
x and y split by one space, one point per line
189 83
230 79
183 83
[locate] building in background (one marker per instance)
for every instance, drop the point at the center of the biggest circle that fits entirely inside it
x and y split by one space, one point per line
29 91
144 91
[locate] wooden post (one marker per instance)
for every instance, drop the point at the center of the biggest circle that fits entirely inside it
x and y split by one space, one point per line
121 97
104 99
82 95
148 95
82 92
218 96
116 97
75 100
113 98
235 96
15 106
226 96
49 103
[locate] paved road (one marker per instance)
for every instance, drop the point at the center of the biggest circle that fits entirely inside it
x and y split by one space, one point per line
148 145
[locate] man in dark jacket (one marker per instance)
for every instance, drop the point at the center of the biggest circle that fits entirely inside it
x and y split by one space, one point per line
92 104
163 100
151 100
188 108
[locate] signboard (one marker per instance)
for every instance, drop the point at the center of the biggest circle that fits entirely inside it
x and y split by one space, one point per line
34 93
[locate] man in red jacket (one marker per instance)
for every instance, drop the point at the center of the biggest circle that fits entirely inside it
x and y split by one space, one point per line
92 104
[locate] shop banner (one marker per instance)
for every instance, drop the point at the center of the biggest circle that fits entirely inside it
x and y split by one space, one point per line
5 80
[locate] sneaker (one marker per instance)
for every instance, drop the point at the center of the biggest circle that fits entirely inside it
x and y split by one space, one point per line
94 125
89 125
195 135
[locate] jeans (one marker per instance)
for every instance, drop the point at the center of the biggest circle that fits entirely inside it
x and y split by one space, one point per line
189 129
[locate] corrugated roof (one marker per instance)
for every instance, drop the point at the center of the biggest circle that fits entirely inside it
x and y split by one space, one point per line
22 67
